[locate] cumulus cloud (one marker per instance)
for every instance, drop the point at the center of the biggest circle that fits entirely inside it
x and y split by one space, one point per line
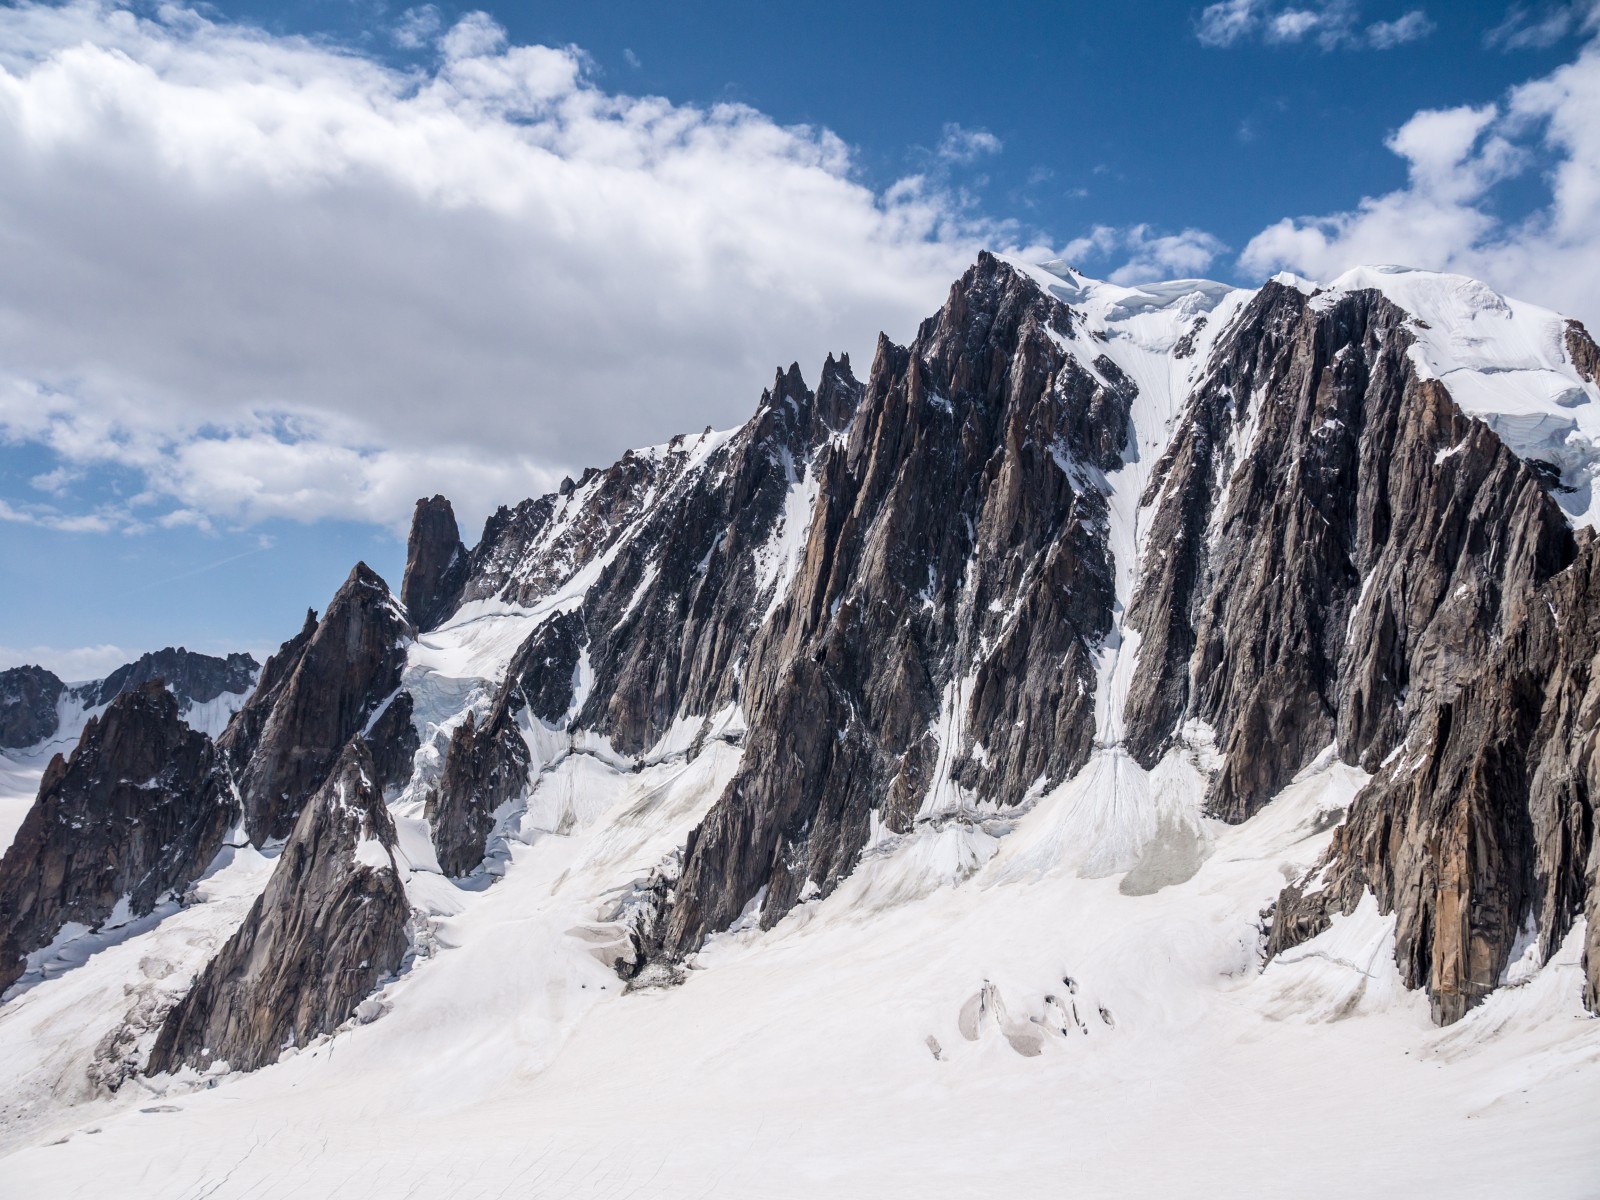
1331 24
1144 253
417 27
1445 217
275 278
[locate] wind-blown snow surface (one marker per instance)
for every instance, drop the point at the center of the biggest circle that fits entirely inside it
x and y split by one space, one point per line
1061 997
1021 1033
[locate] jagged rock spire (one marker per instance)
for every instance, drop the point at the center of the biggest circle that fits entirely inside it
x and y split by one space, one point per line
331 924
436 564
138 811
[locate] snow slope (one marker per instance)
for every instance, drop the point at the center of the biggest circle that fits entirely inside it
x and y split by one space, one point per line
999 1037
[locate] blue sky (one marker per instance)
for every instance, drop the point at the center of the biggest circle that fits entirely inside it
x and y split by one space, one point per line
269 272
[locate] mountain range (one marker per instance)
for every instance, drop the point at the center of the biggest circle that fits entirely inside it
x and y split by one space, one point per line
1142 735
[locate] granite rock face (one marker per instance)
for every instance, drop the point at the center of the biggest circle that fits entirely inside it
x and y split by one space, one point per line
192 678
959 534
1582 351
28 698
489 763
315 694
685 539
1482 826
484 767
136 813
1331 535
436 564
331 925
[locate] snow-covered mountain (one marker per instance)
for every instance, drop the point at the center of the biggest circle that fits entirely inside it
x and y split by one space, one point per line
1135 736
42 716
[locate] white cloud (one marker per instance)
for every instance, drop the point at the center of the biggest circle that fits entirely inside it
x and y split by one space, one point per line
1445 218
1412 27
55 482
1332 24
279 279
1144 254
1228 21
417 27
47 517
71 663
1526 28
1292 25
960 145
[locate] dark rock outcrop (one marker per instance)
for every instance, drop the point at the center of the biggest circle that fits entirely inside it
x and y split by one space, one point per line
28 698
1331 536
1482 825
436 564
683 532
138 812
238 741
315 694
392 740
1581 350
192 678
330 926
486 765
959 532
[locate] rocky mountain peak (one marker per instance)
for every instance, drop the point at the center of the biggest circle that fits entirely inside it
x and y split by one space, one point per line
436 563
317 692
136 812
954 538
28 698
332 922
192 678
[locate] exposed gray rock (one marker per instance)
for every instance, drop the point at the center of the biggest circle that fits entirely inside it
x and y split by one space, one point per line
486 765
192 678
1484 822
960 530
330 926
238 741
28 714
315 694
391 738
682 589
1332 535
436 564
138 812
1585 355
